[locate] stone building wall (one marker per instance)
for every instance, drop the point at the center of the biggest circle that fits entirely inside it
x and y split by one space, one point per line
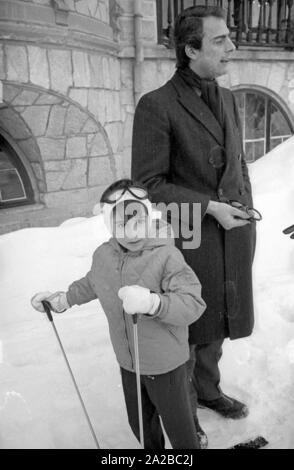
272 72
63 105
65 145
97 9
93 8
68 71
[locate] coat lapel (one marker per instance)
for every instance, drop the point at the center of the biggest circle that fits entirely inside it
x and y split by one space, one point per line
193 103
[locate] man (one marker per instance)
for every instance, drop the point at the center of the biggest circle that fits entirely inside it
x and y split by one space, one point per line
187 148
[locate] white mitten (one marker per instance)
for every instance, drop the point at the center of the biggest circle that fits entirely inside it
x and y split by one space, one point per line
36 301
57 300
138 299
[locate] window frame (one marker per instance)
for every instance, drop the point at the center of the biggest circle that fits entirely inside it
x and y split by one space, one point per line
23 175
269 99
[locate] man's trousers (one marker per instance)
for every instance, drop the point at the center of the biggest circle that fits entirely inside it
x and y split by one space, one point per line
203 372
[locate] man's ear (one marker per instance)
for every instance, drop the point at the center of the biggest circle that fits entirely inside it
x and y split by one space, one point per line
191 53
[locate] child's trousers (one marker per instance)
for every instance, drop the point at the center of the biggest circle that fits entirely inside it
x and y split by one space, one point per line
167 396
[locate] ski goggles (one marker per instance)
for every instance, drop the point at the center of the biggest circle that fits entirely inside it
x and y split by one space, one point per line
130 193
254 214
113 197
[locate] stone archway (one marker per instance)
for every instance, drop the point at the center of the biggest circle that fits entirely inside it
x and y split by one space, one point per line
68 150
18 136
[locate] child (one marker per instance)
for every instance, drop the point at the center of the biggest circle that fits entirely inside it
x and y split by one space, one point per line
140 272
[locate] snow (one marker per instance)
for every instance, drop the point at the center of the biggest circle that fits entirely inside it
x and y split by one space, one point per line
38 405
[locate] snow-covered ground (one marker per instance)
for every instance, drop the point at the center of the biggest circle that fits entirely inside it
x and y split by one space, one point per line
38 405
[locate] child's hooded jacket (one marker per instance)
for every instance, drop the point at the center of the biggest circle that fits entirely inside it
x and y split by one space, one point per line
160 267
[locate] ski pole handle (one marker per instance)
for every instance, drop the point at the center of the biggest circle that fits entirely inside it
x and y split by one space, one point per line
47 308
135 318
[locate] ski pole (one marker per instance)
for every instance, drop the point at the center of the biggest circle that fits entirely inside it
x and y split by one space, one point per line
48 308
138 378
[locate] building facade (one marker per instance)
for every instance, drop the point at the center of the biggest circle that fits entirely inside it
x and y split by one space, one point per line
72 71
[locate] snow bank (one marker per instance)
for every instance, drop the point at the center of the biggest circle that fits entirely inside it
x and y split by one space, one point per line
262 367
38 404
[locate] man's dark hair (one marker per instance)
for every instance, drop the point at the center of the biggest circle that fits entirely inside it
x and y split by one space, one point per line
188 30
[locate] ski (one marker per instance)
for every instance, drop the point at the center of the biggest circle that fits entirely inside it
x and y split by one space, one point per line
289 230
257 443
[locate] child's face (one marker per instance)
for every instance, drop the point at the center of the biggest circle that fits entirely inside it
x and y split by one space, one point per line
130 225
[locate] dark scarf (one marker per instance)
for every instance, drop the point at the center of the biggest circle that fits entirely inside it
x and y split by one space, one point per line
211 95
210 92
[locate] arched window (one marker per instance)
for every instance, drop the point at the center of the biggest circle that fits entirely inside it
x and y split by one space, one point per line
15 186
265 123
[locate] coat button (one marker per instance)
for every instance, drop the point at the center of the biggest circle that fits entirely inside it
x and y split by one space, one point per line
242 192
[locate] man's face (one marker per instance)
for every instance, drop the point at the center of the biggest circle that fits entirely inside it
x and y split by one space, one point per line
212 59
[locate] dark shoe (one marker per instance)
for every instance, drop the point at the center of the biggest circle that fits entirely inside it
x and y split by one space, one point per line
202 437
226 406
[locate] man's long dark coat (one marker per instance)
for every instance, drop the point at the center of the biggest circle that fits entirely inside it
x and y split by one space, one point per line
177 147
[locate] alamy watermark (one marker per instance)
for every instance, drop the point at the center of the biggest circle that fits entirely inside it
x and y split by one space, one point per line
183 221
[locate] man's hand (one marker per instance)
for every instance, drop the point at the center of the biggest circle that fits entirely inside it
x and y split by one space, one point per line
290 231
138 299
228 216
58 301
